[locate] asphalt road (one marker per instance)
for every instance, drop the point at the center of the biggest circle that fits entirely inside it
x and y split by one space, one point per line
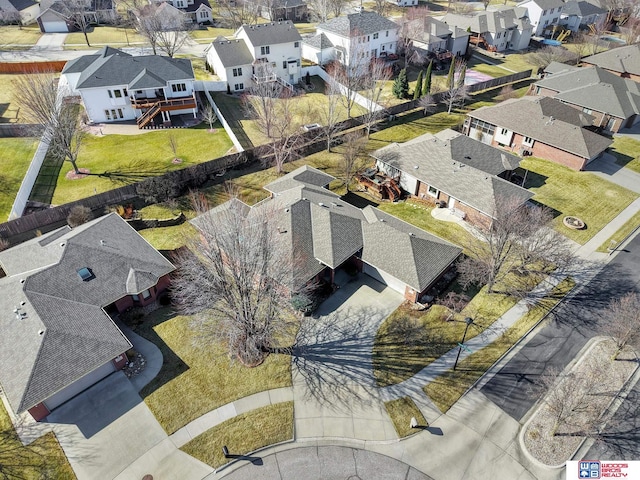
516 387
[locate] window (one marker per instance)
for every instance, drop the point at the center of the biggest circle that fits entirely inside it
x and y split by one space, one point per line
107 114
284 64
117 93
551 11
179 87
265 50
528 141
296 44
110 94
146 294
546 22
239 86
375 36
499 35
586 110
120 115
544 12
504 131
135 298
484 127
114 115
125 92
433 191
237 72
382 48
387 33
298 62
555 20
368 38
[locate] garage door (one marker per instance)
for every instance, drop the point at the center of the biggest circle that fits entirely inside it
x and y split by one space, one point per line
384 277
79 386
55 27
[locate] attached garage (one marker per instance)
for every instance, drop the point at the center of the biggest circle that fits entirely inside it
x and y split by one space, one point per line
79 385
384 277
55 27
51 21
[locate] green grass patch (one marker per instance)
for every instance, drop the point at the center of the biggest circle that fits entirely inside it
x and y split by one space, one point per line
208 34
621 234
41 459
14 162
10 108
409 340
400 411
243 434
169 238
627 152
99 36
196 378
581 194
447 389
148 153
14 36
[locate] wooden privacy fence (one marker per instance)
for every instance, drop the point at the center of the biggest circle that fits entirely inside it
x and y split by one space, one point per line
32 67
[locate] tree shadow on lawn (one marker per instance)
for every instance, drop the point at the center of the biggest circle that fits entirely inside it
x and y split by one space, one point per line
172 365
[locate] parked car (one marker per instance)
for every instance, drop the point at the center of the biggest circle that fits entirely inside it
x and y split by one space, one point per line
311 126
359 9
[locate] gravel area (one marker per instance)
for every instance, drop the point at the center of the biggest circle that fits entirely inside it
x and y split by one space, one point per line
577 401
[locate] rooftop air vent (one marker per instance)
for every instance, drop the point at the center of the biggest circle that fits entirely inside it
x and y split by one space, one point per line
86 274
40 332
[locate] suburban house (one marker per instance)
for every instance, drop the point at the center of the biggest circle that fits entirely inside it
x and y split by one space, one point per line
579 14
459 172
19 11
497 30
557 67
404 3
56 17
193 11
365 34
267 52
540 126
325 233
622 61
543 14
279 10
431 37
116 86
57 292
614 102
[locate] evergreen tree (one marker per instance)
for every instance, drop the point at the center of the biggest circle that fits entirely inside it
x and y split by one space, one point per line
417 93
462 72
426 88
451 75
401 85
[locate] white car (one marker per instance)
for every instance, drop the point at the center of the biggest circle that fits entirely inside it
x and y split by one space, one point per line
359 9
311 126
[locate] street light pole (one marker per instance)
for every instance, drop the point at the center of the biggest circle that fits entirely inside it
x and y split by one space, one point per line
468 321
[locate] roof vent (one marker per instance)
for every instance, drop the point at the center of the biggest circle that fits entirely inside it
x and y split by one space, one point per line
381 219
23 303
467 157
86 274
62 244
22 280
286 210
321 204
102 243
40 332
415 167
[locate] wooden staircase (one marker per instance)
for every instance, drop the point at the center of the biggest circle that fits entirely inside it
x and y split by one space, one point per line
156 107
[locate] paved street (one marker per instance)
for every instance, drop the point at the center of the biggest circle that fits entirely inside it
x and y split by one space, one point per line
515 388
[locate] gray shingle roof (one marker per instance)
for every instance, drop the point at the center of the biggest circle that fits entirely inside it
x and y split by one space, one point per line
77 336
486 21
323 230
544 4
22 4
114 67
557 67
597 89
364 23
319 41
549 121
232 53
436 161
581 9
271 33
621 60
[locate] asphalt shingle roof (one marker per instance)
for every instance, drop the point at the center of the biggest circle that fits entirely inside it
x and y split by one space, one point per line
437 161
319 41
354 24
487 21
557 67
22 4
232 52
581 9
66 333
271 33
548 121
621 59
303 176
597 89
544 4
114 67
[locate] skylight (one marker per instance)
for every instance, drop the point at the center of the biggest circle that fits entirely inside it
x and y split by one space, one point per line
86 274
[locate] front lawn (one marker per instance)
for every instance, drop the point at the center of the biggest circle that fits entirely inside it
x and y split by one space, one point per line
627 152
243 434
622 233
208 34
39 460
447 389
15 37
196 377
99 36
401 411
148 154
585 195
14 162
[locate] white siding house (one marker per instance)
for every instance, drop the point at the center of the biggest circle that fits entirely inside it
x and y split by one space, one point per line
232 62
116 86
26 11
543 13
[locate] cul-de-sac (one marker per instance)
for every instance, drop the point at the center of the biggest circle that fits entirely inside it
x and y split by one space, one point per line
319 239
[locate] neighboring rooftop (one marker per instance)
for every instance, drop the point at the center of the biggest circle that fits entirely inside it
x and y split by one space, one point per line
458 166
557 67
303 176
546 120
544 4
486 21
581 9
271 33
63 332
232 52
319 41
354 24
621 60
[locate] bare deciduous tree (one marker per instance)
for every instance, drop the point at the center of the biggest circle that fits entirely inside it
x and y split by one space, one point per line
262 98
78 215
351 160
454 302
4 244
372 87
236 277
428 104
68 135
622 321
320 9
40 100
544 56
507 92
80 14
331 113
337 6
455 97
209 116
149 24
352 74
173 145
169 41
236 13
631 30
598 29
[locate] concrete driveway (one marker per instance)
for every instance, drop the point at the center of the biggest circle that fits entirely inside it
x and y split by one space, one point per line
333 385
108 432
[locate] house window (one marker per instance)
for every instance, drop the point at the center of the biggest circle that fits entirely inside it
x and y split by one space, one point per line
586 110
387 33
503 131
382 48
114 114
135 298
284 64
551 11
265 50
499 35
107 114
433 191
237 72
555 20
296 44
298 62
117 93
484 127
546 22
110 94
528 141
239 86
544 12
125 92
146 294
375 36
120 113
179 87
